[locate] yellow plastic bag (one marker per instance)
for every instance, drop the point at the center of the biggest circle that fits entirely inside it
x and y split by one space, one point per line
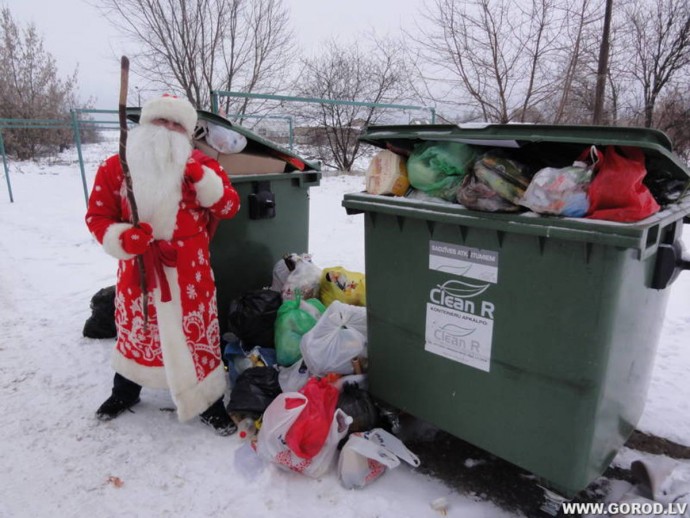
337 283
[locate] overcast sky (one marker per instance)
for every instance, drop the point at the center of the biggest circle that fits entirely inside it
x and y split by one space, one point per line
76 35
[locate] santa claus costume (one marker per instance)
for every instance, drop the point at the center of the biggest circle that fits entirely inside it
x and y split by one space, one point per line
177 193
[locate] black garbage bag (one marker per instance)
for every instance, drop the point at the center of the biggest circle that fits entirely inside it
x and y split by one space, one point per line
252 317
357 403
101 323
254 390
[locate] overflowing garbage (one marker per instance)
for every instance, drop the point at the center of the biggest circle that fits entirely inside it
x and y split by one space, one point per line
605 183
296 356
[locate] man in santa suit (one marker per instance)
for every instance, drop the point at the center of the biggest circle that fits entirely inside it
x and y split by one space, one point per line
178 193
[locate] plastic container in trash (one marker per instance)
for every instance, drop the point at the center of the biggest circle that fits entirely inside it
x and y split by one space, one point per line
273 184
530 337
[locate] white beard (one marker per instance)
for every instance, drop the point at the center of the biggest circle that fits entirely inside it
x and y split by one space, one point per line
157 160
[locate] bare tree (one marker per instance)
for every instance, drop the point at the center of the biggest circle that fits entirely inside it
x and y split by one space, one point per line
30 88
196 46
580 52
660 43
350 73
577 40
497 54
672 116
258 50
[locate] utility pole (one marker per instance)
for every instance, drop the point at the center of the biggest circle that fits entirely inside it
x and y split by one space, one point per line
603 66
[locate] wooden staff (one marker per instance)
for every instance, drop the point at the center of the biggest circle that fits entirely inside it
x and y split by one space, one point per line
122 112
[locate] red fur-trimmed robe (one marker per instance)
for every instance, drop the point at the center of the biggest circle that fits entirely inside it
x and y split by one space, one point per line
180 347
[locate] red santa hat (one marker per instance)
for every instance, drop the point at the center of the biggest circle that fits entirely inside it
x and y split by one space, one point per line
170 108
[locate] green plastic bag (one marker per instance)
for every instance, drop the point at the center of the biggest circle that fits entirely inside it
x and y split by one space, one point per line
295 318
438 168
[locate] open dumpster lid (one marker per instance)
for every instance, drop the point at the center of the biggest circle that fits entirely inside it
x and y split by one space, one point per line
538 140
255 143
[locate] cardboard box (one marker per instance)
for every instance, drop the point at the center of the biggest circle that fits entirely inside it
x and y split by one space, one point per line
243 163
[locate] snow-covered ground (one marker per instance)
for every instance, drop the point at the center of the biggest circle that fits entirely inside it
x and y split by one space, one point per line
59 461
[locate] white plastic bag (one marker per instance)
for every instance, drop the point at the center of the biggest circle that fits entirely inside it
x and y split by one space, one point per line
224 139
664 479
367 455
305 277
280 275
294 377
559 191
564 191
277 420
338 337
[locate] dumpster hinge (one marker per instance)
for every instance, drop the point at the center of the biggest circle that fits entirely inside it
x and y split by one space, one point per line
431 225
463 232
500 235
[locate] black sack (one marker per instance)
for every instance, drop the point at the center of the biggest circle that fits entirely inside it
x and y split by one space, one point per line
357 403
254 390
101 323
252 317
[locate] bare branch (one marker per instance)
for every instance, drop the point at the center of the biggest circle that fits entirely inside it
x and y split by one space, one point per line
196 46
375 75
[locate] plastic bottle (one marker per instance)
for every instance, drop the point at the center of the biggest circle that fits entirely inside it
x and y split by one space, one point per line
246 428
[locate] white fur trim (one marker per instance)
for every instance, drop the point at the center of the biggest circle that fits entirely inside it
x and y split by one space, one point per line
209 190
170 108
195 401
191 396
151 377
111 241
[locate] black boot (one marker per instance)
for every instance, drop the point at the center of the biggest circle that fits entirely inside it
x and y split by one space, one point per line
217 418
124 396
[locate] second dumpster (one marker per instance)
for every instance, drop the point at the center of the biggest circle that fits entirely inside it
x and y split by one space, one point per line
531 337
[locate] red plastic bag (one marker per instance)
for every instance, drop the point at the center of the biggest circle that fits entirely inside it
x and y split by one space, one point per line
617 192
309 432
277 420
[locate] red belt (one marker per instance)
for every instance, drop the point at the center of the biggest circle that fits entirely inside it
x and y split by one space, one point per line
158 255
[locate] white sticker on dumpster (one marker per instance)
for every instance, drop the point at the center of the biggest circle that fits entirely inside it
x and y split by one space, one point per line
463 261
459 336
459 323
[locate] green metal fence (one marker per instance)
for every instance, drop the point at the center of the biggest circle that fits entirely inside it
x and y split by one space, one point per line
216 94
76 124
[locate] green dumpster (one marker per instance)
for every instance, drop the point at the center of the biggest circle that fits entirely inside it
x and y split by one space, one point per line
273 220
530 337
